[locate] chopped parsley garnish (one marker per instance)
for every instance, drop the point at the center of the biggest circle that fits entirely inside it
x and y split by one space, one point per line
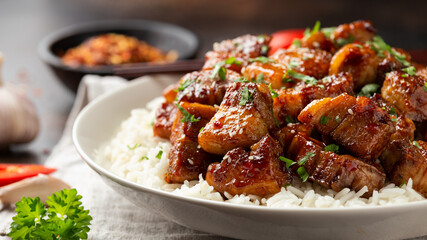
416 144
302 174
259 78
275 120
359 46
380 46
307 79
315 29
159 154
232 60
264 49
293 64
219 70
261 38
324 120
184 85
61 217
241 79
425 87
143 158
274 94
321 86
296 43
328 31
288 161
187 116
344 41
306 157
369 89
262 59
201 129
410 71
332 148
289 119
393 114
134 146
246 97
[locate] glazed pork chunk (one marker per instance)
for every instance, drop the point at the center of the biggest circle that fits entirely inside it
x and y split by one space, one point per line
291 101
407 159
164 118
332 170
358 60
241 49
408 92
259 172
316 40
186 159
357 124
357 31
244 117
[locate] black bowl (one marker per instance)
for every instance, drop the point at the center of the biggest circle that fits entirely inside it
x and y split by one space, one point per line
164 36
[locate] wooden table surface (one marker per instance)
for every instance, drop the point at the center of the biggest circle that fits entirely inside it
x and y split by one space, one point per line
25 22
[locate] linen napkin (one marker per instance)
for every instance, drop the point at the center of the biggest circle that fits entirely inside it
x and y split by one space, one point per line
114 217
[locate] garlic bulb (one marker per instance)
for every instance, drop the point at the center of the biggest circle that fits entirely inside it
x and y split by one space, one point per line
18 118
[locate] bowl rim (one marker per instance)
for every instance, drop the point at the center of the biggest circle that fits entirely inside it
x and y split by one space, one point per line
44 52
367 210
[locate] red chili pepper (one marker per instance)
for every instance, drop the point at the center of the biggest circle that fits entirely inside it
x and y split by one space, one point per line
10 173
284 39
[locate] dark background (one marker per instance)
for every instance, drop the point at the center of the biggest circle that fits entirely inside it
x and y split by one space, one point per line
23 23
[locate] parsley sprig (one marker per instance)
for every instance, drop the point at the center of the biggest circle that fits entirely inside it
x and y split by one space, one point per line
262 59
64 218
246 97
187 116
301 170
184 85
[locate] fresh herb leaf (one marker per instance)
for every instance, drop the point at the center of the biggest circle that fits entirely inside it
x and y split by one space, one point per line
359 46
410 70
185 84
232 60
425 87
201 129
369 89
259 78
328 31
296 43
293 64
246 97
264 49
302 174
416 144
187 116
332 148
324 120
275 120
143 158
344 41
288 161
289 119
262 59
393 114
219 70
64 218
137 145
316 27
261 38
321 86
241 79
380 46
274 94
307 79
305 158
159 154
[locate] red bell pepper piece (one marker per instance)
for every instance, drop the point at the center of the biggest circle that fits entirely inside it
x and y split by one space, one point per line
10 173
284 39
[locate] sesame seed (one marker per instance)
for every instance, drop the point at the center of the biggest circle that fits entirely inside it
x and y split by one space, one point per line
292 131
251 157
198 146
191 161
316 44
241 131
350 111
228 159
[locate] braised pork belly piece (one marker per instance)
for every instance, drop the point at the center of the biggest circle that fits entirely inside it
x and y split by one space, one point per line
164 118
408 92
269 72
259 172
287 133
242 49
407 159
357 124
316 40
244 117
332 170
404 126
310 62
290 102
358 60
358 31
186 159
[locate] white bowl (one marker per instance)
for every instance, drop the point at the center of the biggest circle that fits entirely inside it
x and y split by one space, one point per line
97 123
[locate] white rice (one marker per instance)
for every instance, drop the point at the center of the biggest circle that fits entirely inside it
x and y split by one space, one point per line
135 154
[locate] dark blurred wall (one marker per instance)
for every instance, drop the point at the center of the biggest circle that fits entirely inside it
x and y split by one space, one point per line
401 23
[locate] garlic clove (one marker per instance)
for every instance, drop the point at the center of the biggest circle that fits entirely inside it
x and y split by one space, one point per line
19 122
39 186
